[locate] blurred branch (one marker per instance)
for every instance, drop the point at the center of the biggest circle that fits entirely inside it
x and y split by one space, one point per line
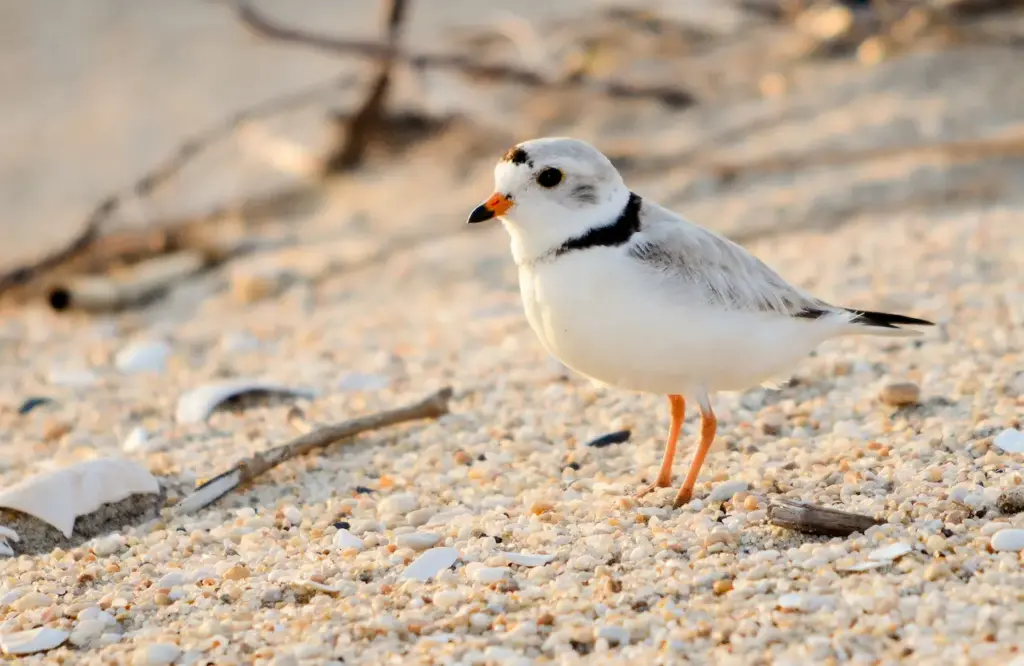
465 64
359 129
165 237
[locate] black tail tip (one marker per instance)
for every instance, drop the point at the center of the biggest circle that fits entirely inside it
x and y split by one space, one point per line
885 319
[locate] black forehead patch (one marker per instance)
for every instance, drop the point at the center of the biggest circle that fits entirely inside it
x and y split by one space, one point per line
517 155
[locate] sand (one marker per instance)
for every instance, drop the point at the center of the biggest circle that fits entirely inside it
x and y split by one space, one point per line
309 566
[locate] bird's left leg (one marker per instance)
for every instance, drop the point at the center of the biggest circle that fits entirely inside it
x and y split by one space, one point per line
708 426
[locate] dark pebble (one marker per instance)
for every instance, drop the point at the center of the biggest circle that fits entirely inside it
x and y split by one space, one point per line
609 439
575 466
342 525
363 490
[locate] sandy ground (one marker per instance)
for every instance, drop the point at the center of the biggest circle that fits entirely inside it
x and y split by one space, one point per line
508 471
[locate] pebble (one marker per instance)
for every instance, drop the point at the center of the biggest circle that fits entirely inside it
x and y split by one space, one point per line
417 540
398 504
237 572
725 491
1010 440
1008 540
1011 500
614 635
107 546
157 654
344 539
430 563
900 394
137 440
446 599
419 517
490 574
143 356
171 580
87 631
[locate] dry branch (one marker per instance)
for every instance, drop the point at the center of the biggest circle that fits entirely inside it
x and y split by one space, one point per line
811 519
247 470
159 237
356 132
465 64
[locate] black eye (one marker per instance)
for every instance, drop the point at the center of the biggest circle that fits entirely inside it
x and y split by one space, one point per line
549 177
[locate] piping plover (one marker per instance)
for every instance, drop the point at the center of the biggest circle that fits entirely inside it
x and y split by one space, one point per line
631 295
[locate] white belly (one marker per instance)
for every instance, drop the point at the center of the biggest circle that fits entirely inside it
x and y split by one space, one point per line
603 316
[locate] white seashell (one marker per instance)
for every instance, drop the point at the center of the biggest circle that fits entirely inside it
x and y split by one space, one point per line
865 566
490 574
344 539
1010 440
417 540
890 552
527 559
430 563
143 356
1011 540
59 497
195 406
32 641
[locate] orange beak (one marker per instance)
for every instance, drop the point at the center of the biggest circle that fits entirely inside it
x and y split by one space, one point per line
496 206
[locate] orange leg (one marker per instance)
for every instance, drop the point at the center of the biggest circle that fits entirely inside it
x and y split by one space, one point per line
677 405
708 425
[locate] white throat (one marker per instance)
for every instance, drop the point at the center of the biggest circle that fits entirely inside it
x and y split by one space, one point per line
534 239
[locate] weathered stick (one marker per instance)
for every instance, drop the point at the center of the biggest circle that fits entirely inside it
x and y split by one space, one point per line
147 280
811 519
246 470
465 64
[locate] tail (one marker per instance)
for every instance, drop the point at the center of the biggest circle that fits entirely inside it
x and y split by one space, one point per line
877 323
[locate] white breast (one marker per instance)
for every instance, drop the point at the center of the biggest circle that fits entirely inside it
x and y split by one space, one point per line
606 316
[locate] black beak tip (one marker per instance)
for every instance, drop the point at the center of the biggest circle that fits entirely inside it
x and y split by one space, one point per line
480 214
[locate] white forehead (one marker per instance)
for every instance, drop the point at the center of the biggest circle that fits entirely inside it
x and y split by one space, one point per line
570 155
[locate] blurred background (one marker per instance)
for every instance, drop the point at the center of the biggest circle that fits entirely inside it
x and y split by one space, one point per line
229 130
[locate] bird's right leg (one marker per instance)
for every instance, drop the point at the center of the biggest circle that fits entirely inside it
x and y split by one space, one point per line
677 406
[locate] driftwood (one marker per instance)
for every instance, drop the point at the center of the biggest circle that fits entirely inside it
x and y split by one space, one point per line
247 470
811 519
466 64
146 281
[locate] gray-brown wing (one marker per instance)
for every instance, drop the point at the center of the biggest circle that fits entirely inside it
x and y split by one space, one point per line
715 269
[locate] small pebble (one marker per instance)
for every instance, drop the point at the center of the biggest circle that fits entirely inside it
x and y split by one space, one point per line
398 504
725 491
900 394
1008 540
343 539
490 574
157 654
417 540
237 572
1011 500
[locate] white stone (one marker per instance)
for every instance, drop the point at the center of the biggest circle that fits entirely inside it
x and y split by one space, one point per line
446 599
398 504
157 654
724 491
136 440
293 515
490 574
32 641
1010 440
344 539
1009 540
791 601
417 540
143 356
86 631
419 517
430 563
614 635
107 546
170 580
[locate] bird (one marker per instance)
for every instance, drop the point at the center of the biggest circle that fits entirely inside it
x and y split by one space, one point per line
631 295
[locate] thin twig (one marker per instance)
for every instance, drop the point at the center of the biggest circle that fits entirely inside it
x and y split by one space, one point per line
811 519
466 64
245 471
